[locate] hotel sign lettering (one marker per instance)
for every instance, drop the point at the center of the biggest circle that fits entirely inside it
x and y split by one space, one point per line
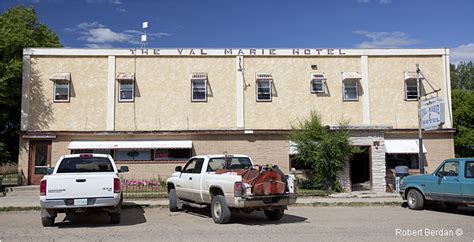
239 52
432 113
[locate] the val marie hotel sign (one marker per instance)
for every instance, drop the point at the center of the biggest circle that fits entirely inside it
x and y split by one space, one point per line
236 52
432 113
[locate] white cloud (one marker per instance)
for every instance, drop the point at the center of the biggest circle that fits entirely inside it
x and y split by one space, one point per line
97 35
385 39
123 10
117 2
463 53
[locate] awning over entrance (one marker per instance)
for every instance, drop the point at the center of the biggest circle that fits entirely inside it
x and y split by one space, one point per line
148 144
402 146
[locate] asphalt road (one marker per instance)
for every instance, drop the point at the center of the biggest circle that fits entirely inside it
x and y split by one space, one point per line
378 223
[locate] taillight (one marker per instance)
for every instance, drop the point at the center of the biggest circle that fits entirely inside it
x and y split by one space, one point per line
116 185
85 155
238 189
43 188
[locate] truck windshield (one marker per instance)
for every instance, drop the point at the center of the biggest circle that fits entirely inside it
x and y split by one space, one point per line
85 164
235 163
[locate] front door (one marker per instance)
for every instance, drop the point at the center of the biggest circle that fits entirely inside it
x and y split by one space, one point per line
39 159
447 184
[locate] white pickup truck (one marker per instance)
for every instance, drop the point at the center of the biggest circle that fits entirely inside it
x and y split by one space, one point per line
81 184
231 183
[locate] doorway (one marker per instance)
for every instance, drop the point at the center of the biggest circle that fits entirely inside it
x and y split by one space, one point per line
360 171
38 161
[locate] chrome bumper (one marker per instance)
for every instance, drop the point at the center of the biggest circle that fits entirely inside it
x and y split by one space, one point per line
69 203
265 201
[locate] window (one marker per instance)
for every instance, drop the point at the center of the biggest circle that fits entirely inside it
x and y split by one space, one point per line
469 169
411 89
172 154
85 164
228 163
264 87
450 168
129 154
318 81
351 89
394 160
199 87
194 166
61 91
126 90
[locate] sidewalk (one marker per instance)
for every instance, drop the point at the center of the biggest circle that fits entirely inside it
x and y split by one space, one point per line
26 198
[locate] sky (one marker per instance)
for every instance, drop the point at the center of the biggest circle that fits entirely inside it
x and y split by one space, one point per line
261 23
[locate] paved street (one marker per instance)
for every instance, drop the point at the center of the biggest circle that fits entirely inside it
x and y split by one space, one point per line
378 223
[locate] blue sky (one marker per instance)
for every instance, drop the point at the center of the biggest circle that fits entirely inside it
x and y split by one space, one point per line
261 23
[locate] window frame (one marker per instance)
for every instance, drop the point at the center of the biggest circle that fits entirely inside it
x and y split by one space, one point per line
344 86
318 77
56 82
465 169
193 80
264 77
441 170
120 90
406 89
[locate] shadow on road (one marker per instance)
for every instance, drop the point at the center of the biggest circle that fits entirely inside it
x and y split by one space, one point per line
129 217
253 218
439 207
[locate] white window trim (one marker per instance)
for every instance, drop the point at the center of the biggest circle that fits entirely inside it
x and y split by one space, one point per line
68 91
344 89
318 77
120 91
193 79
406 90
264 77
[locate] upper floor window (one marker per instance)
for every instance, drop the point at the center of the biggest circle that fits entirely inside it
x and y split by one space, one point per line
126 87
61 86
199 87
264 87
411 86
350 86
318 82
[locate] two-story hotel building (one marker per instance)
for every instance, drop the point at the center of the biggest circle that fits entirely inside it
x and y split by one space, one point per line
152 109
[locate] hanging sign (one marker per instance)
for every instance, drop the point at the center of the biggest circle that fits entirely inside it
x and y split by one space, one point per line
432 113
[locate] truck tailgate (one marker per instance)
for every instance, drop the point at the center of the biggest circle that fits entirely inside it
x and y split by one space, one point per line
80 185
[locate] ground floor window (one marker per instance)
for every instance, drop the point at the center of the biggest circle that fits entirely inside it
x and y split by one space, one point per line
394 160
159 155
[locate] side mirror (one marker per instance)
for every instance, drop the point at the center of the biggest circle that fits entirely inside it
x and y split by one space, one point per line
178 168
50 170
123 169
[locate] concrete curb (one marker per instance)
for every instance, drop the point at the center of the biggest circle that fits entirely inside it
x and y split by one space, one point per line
308 204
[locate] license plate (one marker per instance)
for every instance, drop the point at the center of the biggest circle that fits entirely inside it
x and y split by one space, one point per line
80 202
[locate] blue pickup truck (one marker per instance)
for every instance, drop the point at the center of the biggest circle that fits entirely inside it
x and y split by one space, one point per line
452 183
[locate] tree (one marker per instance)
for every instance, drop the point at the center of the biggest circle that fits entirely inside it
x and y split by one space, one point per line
462 76
326 151
463 117
19 29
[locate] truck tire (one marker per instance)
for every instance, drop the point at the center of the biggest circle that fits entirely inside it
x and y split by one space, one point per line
173 200
415 200
219 210
452 206
47 221
274 214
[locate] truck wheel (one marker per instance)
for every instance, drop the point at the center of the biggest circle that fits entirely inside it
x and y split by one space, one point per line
274 214
415 200
219 210
115 218
47 221
173 200
452 206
